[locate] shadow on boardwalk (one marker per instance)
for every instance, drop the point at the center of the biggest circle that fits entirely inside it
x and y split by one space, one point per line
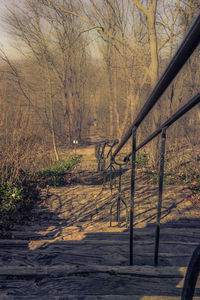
43 262
69 251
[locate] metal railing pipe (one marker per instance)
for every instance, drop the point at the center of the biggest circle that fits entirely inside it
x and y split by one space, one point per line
191 276
160 195
185 108
132 204
185 50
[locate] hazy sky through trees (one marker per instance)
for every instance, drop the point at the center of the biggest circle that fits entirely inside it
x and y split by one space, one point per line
6 41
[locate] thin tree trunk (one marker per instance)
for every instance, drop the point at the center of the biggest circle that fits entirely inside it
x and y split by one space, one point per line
111 110
51 110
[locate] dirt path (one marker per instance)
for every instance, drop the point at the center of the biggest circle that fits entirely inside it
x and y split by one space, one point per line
69 251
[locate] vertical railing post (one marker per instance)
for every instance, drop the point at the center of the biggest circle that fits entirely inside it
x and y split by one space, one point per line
161 176
111 172
119 194
132 194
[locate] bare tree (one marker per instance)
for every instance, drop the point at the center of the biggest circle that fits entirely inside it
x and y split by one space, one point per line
136 39
57 46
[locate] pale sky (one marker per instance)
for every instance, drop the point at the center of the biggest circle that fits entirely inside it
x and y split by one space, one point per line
2 27
5 41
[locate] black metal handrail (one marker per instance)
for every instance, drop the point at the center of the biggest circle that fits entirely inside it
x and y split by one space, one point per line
120 199
192 274
100 148
100 155
185 50
185 108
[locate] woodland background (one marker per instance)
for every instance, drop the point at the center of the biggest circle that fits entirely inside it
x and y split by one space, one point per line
87 66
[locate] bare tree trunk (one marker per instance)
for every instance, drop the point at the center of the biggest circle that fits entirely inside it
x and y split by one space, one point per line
150 13
111 91
51 109
3 89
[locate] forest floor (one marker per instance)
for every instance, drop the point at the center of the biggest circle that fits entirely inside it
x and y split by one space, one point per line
69 250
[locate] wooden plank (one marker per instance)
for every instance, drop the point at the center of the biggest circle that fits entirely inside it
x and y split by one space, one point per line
84 242
93 284
93 297
69 270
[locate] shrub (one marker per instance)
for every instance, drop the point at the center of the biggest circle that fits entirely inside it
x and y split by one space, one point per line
141 159
55 175
15 201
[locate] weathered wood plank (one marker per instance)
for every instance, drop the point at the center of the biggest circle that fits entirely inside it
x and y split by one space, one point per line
94 284
88 241
95 297
69 270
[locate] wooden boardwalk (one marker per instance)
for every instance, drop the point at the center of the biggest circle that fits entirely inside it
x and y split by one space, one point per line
69 251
